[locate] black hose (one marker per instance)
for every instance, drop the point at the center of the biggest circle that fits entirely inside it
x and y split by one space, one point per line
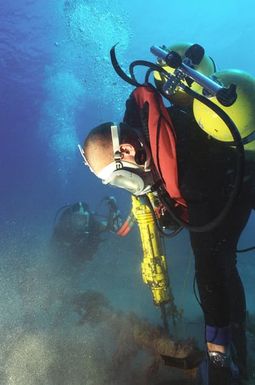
245 250
239 170
119 70
59 211
166 234
147 75
132 79
145 63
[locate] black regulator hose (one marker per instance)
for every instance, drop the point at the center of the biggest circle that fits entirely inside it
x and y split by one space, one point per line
120 71
144 63
240 158
245 250
168 234
132 79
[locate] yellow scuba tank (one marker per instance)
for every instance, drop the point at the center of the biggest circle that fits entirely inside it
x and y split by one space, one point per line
206 67
242 112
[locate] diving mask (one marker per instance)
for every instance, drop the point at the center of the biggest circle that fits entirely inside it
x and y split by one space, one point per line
129 176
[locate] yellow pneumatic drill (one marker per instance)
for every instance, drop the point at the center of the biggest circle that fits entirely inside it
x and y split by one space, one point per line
154 264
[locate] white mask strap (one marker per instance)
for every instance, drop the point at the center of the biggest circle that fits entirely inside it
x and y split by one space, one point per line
116 145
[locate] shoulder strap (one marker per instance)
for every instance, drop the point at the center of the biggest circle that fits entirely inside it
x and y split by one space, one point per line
162 139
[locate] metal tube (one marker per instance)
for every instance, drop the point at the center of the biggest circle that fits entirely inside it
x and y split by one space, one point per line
204 81
159 52
210 85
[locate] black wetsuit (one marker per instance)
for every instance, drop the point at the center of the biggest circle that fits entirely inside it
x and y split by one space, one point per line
206 174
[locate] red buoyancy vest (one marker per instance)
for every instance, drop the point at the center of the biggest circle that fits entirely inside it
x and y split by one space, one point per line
163 148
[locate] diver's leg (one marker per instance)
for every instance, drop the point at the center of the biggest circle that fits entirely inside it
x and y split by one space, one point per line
238 323
221 292
213 292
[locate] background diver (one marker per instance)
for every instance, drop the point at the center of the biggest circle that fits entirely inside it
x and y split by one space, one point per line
164 150
77 230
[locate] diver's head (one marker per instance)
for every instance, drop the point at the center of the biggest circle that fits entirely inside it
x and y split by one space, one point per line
118 155
80 218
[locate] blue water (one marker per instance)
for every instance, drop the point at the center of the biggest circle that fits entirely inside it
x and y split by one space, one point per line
56 83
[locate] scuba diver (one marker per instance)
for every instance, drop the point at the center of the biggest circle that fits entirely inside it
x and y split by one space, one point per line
77 231
202 176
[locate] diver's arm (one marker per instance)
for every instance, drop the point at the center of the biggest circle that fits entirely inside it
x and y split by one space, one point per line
114 220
